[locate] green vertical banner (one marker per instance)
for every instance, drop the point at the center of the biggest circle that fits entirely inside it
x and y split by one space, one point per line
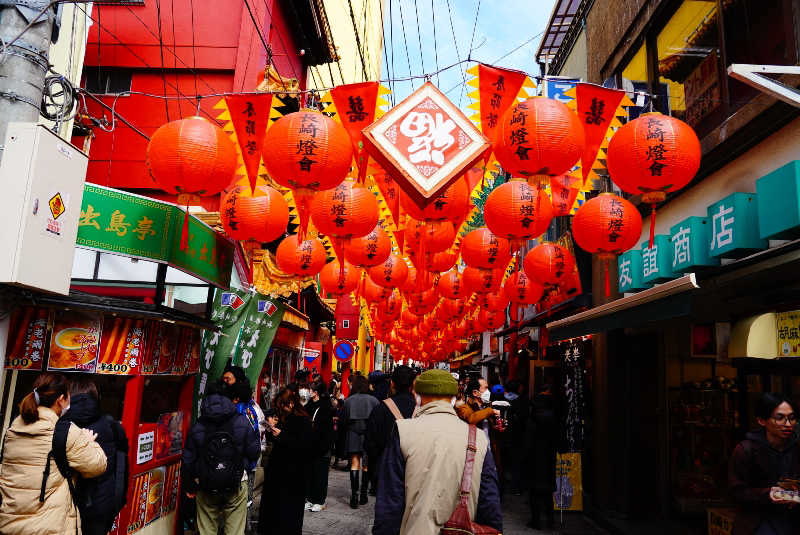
229 313
263 317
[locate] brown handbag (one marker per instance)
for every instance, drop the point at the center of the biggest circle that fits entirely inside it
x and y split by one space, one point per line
460 522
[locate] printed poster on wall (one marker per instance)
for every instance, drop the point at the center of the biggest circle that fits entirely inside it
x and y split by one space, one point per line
188 351
569 488
140 485
121 346
75 341
171 489
166 347
789 334
169 431
155 494
27 338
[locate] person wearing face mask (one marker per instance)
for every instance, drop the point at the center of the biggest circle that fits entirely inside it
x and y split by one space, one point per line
476 410
357 409
758 464
321 412
35 497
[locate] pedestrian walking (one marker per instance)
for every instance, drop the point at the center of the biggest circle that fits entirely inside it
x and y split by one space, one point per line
357 409
283 499
380 384
218 450
765 457
321 412
424 476
542 477
35 495
99 499
399 406
476 410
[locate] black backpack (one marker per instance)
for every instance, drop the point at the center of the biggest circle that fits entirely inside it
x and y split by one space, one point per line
220 465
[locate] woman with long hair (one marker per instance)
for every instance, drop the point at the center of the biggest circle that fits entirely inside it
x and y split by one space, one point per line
357 408
283 498
35 495
321 412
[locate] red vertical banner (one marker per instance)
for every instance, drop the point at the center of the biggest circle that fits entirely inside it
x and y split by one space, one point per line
596 106
498 88
564 190
121 346
250 118
27 338
356 105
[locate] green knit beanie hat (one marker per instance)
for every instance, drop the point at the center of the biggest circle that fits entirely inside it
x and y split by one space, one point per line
436 383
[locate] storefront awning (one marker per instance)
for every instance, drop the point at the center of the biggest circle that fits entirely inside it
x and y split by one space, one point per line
294 319
668 300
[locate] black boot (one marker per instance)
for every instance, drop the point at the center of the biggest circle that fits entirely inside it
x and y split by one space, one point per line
364 487
354 489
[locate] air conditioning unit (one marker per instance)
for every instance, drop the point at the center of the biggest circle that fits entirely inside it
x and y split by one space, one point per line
41 185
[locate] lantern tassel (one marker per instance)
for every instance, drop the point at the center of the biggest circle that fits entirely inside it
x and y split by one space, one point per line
185 230
652 224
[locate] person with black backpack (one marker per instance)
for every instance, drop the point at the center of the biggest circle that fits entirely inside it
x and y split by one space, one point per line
218 449
99 499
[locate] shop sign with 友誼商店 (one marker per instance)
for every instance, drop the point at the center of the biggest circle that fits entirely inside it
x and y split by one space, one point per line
131 225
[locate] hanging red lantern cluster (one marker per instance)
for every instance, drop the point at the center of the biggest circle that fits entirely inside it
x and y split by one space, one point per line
517 211
369 250
549 264
262 215
339 279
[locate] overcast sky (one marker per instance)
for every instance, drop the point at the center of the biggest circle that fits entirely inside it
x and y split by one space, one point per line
502 26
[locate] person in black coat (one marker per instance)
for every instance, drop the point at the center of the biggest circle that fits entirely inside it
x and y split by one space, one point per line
98 502
218 413
381 420
543 457
322 437
283 498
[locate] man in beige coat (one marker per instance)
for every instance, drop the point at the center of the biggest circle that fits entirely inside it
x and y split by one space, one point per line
420 474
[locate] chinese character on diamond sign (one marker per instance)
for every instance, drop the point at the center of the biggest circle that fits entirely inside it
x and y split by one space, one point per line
425 142
657 260
629 264
734 227
690 239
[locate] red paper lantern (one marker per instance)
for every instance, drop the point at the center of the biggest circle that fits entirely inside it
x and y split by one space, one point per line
482 249
494 301
422 302
450 205
261 216
521 290
517 211
191 156
607 225
392 273
549 263
374 293
442 261
483 281
452 286
417 281
304 259
430 237
347 211
540 136
491 320
391 307
564 190
369 250
409 320
453 308
339 280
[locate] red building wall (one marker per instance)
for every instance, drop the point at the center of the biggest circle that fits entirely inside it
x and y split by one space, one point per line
347 311
221 46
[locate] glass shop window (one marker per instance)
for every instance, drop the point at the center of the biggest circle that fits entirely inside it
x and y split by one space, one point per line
689 74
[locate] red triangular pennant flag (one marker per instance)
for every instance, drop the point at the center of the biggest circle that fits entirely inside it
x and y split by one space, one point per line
596 108
497 88
356 105
250 118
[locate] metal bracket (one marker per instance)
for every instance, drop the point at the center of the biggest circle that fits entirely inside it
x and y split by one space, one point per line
753 75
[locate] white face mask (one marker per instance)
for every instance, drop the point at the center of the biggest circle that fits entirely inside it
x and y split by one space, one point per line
305 395
486 396
419 399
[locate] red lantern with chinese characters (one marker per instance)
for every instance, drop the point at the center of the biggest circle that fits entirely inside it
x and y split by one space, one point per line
491 320
408 320
423 302
540 136
483 281
453 308
392 273
607 225
517 211
391 307
305 259
338 280
564 191
417 281
494 301
549 264
442 261
261 216
652 155
452 286
374 293
347 211
191 156
431 237
307 151
482 249
521 290
450 205
369 250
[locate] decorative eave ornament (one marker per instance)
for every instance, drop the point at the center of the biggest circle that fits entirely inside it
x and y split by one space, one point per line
425 143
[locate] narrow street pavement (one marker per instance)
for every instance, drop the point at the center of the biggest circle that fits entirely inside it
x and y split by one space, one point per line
339 519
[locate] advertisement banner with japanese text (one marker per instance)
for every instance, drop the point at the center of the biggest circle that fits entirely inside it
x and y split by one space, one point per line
121 346
141 486
229 312
171 489
75 341
27 338
569 486
262 320
789 334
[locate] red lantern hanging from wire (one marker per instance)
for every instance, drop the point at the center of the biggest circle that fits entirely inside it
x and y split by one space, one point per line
304 259
338 280
517 211
451 285
392 273
482 249
549 264
262 215
521 290
483 281
442 261
369 250
450 205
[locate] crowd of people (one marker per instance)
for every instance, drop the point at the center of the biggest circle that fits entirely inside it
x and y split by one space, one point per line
436 453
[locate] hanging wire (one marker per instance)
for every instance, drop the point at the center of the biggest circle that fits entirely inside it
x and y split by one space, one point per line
455 40
471 41
385 53
435 43
283 45
391 46
419 36
405 42
194 53
267 48
161 49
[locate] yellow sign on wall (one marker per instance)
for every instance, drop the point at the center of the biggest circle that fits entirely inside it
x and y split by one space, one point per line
569 487
789 334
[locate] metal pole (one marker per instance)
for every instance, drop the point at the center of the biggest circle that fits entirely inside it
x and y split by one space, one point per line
26 30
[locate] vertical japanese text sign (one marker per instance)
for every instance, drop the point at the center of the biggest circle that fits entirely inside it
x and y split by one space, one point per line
261 321
596 108
497 91
356 105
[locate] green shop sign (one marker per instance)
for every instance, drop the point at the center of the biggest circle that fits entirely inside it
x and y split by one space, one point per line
690 243
657 260
779 203
630 271
131 225
734 226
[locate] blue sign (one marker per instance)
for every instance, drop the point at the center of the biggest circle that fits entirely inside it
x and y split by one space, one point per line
556 87
344 350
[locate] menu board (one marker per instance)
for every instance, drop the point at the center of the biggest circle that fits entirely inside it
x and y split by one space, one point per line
141 490
171 489
155 494
121 346
188 360
75 341
27 338
160 356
